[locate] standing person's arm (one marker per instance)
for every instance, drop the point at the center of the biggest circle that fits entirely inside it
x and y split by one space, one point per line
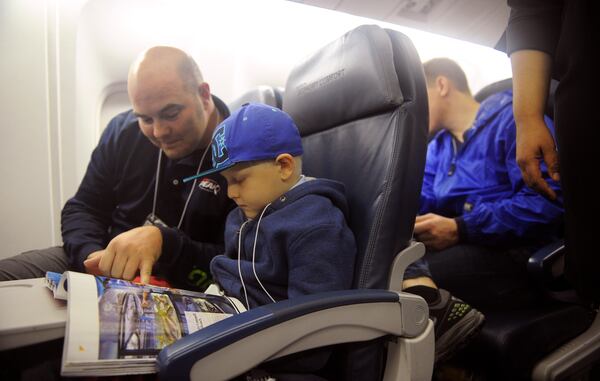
531 79
532 35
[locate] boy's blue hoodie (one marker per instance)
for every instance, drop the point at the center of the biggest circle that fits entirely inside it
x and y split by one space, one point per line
303 246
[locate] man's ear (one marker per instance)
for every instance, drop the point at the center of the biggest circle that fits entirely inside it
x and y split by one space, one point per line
286 164
204 92
442 85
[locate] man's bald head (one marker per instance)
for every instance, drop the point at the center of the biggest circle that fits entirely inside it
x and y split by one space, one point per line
172 102
169 61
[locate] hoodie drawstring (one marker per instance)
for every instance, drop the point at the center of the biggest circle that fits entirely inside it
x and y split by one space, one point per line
253 258
254 253
240 263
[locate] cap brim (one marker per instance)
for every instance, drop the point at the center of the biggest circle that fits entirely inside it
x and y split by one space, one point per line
208 172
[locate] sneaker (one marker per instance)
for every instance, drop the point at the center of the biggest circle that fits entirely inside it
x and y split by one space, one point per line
455 322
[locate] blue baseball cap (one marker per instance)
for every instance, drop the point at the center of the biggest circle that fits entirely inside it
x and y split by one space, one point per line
253 132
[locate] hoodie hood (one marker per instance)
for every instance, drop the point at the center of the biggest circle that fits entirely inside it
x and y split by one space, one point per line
330 189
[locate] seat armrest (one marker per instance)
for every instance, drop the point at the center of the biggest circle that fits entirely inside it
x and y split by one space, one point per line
410 254
239 343
547 264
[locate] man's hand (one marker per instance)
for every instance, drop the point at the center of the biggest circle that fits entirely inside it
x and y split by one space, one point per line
435 231
136 249
92 263
534 143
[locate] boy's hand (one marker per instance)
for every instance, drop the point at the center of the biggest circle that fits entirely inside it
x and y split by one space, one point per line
136 249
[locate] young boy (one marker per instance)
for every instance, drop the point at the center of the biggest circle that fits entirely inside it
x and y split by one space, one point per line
288 236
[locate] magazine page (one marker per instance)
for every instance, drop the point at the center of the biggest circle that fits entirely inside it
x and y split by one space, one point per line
56 283
118 327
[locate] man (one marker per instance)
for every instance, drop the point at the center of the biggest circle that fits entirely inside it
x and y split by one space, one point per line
132 213
478 219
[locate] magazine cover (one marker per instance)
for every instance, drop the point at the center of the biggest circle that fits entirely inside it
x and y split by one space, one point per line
118 327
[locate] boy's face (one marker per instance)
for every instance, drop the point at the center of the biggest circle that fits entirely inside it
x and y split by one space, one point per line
253 185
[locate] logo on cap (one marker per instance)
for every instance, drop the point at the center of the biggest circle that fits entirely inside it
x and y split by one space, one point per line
219 148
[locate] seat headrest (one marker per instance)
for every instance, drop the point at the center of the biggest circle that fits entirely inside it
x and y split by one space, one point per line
261 94
354 75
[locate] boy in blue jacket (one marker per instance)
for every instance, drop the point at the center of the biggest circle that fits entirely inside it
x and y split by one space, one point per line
288 236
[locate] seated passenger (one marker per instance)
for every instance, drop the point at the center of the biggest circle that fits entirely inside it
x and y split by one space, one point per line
288 236
478 219
129 213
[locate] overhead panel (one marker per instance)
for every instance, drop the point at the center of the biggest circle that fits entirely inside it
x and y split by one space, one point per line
477 21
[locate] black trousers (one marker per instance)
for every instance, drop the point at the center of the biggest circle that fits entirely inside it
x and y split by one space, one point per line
485 277
577 120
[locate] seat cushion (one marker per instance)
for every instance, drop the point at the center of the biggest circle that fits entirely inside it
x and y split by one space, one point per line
512 342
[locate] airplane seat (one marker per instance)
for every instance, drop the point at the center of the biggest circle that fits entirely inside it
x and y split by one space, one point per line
368 113
558 337
552 338
506 84
360 104
279 92
261 94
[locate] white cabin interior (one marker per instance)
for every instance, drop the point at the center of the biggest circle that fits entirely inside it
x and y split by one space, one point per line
64 69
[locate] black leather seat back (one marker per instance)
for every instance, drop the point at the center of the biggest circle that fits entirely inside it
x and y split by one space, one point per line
360 104
506 84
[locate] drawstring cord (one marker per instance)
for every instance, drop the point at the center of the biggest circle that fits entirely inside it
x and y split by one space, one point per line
253 258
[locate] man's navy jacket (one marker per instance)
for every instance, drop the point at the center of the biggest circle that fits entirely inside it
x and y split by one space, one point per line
116 195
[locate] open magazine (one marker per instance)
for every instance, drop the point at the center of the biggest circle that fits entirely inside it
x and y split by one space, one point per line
117 327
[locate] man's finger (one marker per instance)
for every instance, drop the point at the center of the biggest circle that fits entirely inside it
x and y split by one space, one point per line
145 271
421 227
106 260
538 183
424 217
544 189
551 159
92 264
119 263
130 269
532 175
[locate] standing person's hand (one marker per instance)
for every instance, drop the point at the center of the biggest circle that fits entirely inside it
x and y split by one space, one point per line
531 81
535 143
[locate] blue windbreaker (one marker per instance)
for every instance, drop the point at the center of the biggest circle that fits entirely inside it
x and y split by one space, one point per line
480 184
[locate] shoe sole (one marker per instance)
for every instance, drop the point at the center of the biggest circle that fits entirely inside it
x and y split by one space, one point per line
458 336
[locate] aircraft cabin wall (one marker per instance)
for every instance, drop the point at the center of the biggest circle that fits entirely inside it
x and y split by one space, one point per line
64 70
